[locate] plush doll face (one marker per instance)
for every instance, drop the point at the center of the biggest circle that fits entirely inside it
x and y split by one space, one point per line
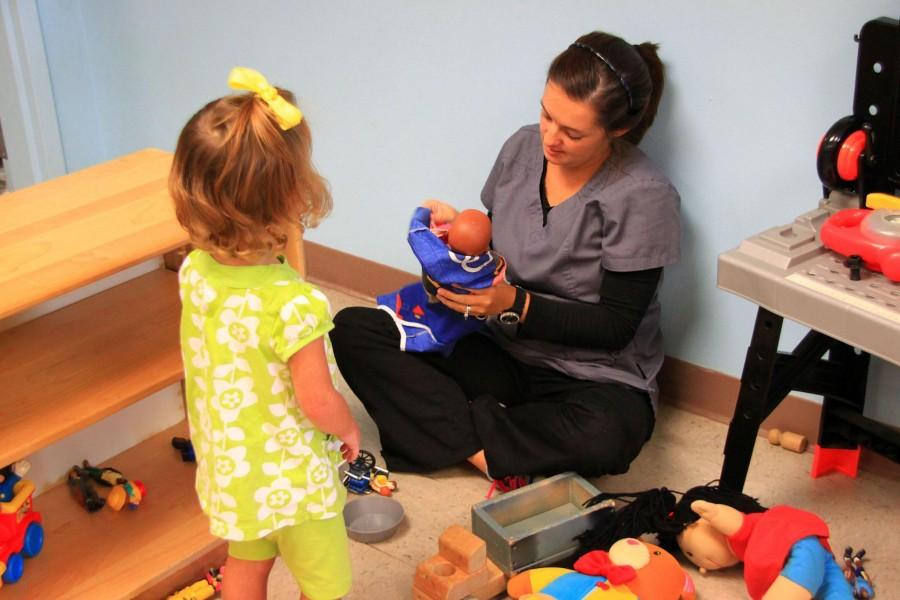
706 547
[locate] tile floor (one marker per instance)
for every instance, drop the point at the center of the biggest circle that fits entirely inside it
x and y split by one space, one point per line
685 451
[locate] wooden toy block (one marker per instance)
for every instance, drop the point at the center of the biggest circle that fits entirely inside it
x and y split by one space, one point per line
463 549
439 579
495 585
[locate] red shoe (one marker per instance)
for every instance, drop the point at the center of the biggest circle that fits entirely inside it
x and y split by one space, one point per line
508 484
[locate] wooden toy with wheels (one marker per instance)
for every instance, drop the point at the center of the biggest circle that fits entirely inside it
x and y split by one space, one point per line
21 532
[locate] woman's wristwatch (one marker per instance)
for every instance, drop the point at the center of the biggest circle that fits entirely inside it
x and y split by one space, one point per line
513 314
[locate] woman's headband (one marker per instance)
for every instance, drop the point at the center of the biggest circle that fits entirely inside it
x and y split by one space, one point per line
243 78
632 109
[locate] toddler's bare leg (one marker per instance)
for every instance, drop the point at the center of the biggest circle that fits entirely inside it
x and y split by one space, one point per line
245 579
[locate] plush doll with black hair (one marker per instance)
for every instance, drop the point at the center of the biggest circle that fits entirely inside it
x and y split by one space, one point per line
785 550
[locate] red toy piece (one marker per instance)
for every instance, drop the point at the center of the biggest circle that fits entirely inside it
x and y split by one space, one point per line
826 460
21 532
873 235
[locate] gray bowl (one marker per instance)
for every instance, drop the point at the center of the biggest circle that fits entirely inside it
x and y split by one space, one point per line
372 518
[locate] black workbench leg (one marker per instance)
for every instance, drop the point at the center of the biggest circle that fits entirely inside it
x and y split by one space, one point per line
854 368
751 403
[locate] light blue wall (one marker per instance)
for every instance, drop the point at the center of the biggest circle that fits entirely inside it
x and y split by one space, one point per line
412 99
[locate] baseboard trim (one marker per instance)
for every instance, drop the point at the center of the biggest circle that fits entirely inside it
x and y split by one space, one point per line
352 274
687 386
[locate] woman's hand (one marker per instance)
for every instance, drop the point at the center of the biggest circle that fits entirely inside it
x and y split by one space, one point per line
481 303
441 212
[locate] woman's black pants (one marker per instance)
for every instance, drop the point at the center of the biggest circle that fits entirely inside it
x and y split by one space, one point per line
433 411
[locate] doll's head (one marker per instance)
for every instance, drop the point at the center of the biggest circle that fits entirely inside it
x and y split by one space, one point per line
242 175
470 233
706 546
703 541
677 526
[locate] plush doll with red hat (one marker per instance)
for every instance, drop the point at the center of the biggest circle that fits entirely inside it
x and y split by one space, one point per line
785 550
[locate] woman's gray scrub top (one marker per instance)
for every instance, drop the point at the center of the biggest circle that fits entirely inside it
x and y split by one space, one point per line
626 218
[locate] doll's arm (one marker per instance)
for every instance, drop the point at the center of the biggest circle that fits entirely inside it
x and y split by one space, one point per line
722 517
785 589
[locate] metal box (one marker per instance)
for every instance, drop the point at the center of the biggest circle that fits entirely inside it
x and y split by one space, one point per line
536 525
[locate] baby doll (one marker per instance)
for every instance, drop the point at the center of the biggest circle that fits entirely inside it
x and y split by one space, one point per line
426 325
784 550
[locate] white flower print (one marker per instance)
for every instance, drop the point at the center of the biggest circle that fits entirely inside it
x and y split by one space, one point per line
230 397
278 499
249 300
201 354
230 464
301 321
185 265
282 377
319 474
201 293
238 332
223 525
294 332
290 308
286 436
318 295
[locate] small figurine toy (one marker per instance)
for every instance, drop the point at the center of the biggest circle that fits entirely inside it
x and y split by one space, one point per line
856 574
363 476
122 492
9 476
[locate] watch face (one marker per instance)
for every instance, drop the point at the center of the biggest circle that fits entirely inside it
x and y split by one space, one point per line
508 318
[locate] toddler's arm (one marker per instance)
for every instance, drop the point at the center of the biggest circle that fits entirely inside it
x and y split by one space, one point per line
319 401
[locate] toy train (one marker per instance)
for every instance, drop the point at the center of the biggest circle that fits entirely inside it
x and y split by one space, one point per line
21 531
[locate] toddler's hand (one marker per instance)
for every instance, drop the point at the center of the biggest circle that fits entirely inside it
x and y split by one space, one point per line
441 212
350 445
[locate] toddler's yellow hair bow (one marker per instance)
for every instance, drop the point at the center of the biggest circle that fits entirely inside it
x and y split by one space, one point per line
243 78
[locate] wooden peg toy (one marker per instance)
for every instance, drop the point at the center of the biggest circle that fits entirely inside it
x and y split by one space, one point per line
788 440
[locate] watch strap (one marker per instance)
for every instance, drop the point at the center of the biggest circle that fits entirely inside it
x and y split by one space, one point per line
519 303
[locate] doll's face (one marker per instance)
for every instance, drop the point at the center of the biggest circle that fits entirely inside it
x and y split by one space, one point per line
706 547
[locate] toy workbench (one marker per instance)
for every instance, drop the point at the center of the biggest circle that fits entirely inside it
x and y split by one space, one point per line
835 269
787 272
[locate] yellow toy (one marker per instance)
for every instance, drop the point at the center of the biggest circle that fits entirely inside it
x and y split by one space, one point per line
196 591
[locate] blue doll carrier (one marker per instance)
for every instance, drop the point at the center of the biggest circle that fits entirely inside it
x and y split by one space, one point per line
425 324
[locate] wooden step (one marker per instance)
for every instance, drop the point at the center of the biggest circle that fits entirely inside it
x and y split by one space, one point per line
70 368
73 230
118 555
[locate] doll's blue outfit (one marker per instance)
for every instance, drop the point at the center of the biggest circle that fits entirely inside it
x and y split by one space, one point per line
424 323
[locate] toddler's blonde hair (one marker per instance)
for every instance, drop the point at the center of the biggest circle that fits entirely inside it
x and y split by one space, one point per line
240 182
